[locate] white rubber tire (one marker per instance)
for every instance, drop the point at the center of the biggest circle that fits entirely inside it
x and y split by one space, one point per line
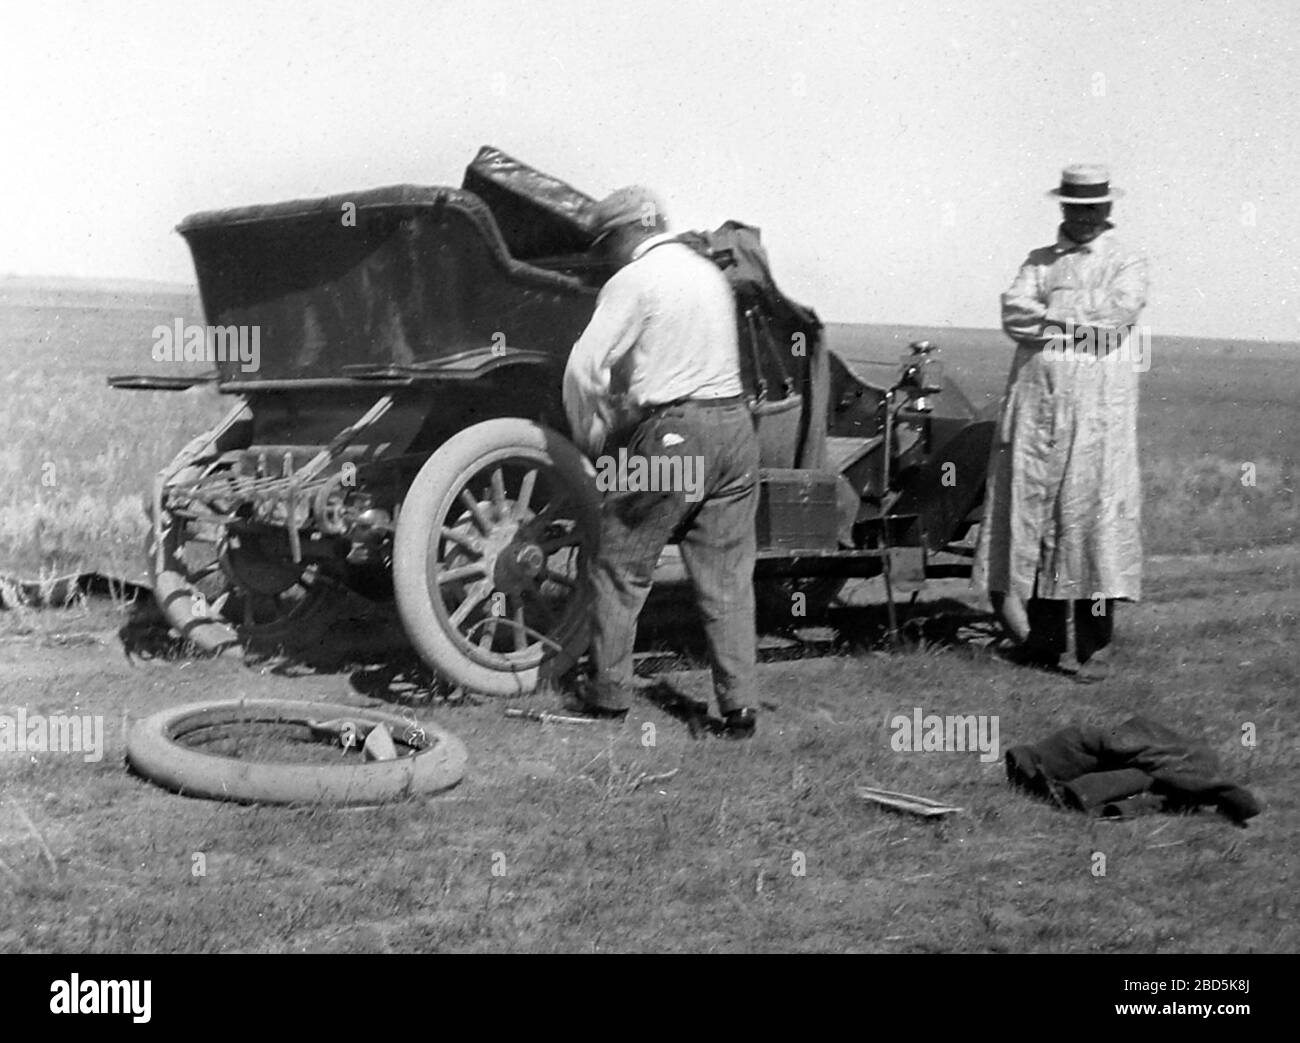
155 750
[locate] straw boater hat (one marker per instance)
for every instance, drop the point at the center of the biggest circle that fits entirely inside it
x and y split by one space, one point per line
1085 183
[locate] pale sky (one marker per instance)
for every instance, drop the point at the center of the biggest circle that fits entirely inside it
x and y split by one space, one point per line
896 155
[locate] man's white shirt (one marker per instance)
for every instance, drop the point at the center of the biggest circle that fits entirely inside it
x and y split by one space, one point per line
664 328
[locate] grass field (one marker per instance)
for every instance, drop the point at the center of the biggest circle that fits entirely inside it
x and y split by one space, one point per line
78 456
555 841
550 844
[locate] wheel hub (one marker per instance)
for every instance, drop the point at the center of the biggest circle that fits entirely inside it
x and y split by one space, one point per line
517 565
511 557
529 559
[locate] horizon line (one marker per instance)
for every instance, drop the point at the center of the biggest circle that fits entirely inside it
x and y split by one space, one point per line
171 287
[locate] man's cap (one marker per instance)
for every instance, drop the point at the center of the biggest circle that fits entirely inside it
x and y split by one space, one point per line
1085 183
633 205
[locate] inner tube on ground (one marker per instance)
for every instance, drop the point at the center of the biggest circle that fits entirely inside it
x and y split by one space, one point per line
155 749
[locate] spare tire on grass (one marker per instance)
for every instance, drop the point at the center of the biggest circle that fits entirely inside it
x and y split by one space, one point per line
157 750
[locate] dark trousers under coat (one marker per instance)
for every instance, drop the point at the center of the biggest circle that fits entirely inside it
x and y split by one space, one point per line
1049 621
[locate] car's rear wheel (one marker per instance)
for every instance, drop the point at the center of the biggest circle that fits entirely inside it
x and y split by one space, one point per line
222 590
490 557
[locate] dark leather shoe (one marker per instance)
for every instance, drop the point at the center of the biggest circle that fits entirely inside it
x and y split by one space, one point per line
740 723
599 700
596 710
1027 655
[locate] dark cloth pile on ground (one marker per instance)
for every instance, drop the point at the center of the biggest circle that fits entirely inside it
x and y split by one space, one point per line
1134 768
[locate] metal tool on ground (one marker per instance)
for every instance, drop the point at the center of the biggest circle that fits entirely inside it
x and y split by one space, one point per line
907 802
547 718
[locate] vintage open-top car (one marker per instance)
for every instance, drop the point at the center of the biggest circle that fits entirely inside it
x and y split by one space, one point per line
403 435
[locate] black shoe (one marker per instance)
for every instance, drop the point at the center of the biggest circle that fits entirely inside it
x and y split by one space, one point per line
1026 655
740 723
592 700
611 712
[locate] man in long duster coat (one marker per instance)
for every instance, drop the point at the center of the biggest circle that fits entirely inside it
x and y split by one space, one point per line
1063 503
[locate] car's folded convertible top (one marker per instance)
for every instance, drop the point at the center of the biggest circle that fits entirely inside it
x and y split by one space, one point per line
538 215
377 283
398 275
